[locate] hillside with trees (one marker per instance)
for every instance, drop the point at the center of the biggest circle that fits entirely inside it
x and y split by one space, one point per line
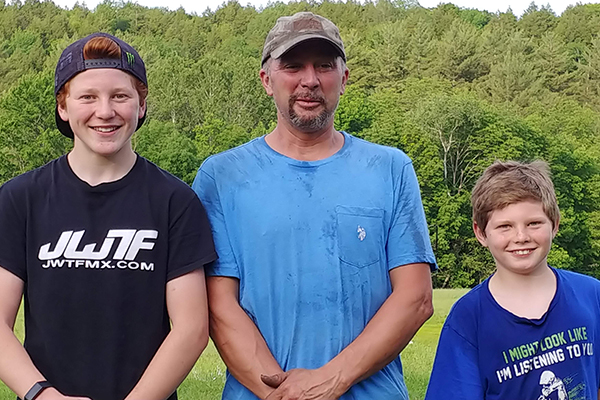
454 88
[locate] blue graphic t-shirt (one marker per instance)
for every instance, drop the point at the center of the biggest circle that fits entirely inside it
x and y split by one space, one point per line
486 352
312 243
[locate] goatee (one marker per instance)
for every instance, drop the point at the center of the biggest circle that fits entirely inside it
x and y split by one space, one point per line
309 123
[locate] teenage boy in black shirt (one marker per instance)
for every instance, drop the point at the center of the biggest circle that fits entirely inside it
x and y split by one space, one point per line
107 249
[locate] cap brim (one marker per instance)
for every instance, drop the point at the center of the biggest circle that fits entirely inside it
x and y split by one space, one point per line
284 48
65 128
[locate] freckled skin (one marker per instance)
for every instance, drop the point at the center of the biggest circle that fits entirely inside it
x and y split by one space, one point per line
113 106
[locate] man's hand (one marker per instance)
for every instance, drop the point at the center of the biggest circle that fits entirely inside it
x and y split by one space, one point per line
53 394
237 338
388 332
304 384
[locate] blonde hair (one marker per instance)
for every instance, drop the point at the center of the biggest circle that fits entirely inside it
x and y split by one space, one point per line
509 182
98 48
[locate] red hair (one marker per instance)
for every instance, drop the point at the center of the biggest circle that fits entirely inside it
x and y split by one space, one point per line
98 48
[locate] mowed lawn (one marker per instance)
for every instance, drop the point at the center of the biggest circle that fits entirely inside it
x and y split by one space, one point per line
206 379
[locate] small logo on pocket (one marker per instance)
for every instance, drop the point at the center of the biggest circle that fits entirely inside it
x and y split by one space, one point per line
362 234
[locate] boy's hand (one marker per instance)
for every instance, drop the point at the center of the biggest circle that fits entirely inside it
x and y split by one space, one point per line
53 394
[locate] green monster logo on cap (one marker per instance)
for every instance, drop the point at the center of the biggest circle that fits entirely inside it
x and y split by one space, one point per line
130 58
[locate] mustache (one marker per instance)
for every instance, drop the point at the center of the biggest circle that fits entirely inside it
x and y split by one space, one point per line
307 96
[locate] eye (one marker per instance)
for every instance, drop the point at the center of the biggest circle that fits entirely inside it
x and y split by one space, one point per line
86 97
121 96
503 226
535 223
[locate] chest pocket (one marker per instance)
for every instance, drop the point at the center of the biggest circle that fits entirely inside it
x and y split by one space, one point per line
359 235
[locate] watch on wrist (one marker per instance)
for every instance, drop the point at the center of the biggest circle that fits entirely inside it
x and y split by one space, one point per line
36 390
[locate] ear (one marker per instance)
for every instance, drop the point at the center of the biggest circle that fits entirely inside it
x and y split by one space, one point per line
265 79
62 112
479 234
142 110
555 230
344 80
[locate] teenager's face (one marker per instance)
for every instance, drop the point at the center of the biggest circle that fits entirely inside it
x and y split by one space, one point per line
103 109
519 237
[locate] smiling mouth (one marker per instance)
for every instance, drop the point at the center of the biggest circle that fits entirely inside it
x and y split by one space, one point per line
308 103
522 252
105 129
307 99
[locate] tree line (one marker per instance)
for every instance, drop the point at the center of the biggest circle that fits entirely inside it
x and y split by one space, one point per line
454 88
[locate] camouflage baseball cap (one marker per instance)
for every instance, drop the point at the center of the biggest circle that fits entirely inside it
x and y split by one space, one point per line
290 31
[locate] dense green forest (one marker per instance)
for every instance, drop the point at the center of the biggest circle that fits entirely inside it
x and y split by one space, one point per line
454 88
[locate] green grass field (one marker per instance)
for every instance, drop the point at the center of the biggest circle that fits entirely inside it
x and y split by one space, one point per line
206 379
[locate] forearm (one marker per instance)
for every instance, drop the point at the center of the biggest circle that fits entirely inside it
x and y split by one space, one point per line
171 364
390 329
16 368
386 335
243 349
383 338
188 311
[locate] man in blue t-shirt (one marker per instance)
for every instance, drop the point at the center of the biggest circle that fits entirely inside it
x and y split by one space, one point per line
323 273
529 332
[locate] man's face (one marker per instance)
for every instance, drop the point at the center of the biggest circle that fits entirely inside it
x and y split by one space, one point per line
306 84
103 109
519 237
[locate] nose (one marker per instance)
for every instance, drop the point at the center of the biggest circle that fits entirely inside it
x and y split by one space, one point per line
522 235
105 109
309 77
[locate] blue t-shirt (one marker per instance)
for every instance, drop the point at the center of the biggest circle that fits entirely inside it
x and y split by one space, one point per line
486 352
312 243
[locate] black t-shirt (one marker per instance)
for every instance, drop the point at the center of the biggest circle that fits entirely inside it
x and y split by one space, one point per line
95 262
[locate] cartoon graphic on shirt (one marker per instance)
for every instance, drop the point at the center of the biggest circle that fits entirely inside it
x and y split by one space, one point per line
550 384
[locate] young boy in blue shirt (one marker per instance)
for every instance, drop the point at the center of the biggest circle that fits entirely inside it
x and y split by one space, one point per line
529 332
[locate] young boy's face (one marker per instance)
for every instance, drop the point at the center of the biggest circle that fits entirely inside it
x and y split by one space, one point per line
103 109
519 237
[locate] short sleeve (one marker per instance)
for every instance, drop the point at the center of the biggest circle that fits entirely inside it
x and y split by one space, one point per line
13 250
408 239
190 239
206 188
455 373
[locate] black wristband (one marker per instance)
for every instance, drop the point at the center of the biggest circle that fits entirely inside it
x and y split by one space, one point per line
36 390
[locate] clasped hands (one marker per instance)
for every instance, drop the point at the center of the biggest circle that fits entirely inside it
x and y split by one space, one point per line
304 384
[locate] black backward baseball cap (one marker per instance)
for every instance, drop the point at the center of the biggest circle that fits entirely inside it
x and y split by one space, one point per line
71 63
